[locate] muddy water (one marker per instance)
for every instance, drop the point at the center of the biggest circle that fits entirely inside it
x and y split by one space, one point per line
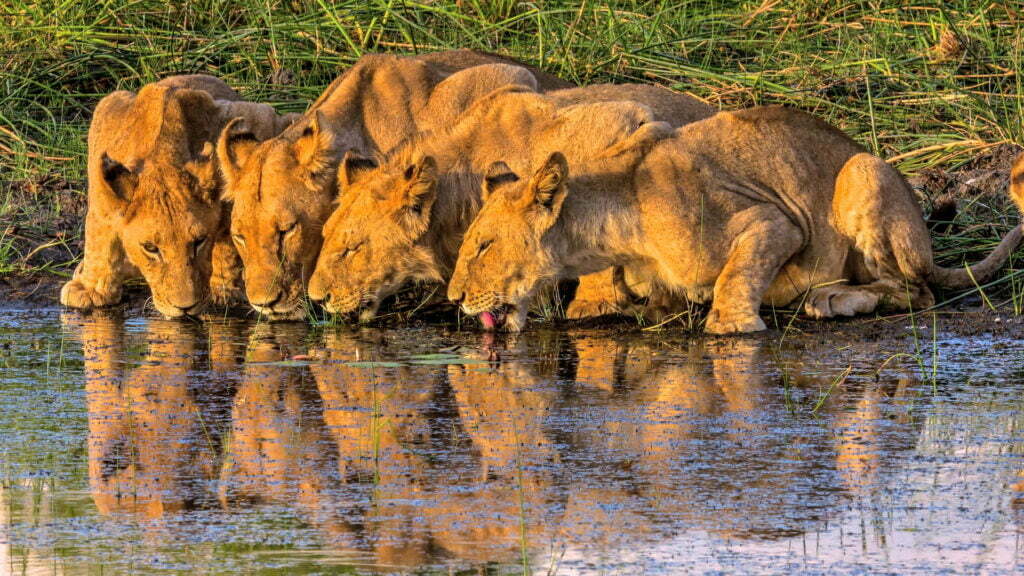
141 445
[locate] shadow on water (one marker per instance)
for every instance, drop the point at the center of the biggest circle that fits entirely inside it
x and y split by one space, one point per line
138 445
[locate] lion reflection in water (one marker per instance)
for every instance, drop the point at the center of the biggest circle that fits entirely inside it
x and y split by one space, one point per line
155 423
701 438
380 458
576 441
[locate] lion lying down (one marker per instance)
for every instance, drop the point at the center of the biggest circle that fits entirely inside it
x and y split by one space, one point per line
402 219
767 205
154 206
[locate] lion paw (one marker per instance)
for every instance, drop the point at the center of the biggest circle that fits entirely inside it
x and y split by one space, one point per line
832 301
75 294
718 323
226 296
580 309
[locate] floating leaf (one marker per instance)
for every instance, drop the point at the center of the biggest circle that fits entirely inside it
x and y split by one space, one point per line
443 359
285 363
373 364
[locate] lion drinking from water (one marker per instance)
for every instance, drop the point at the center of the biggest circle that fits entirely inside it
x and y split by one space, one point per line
283 189
401 219
154 206
767 205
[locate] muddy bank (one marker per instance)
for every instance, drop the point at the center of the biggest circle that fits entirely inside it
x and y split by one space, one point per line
972 319
41 235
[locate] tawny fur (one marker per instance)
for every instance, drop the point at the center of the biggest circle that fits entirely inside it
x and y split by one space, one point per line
152 183
403 220
767 205
283 189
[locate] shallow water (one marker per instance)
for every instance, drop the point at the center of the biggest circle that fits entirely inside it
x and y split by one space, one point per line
142 445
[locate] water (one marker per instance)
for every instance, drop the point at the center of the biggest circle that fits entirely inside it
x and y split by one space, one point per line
149 446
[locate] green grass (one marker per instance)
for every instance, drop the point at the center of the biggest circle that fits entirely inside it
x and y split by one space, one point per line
871 68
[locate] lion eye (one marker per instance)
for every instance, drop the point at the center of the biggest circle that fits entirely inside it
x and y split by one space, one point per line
350 251
289 228
150 248
483 247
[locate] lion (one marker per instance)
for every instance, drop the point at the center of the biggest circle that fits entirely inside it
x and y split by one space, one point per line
154 208
282 190
767 205
402 219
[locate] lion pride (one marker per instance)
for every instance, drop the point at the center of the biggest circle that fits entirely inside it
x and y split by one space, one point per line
283 189
153 200
767 205
403 220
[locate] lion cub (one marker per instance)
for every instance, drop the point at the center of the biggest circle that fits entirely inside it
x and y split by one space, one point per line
154 206
766 205
402 219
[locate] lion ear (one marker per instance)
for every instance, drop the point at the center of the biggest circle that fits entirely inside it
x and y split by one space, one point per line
204 170
547 187
422 185
234 146
353 167
119 179
497 175
199 114
260 119
314 149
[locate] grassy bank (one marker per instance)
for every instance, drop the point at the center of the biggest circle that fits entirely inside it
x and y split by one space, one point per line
933 87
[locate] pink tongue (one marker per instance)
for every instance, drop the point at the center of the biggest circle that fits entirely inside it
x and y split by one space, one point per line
487 319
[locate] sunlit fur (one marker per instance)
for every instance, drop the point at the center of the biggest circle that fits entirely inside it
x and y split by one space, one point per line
154 207
504 260
376 241
283 189
767 205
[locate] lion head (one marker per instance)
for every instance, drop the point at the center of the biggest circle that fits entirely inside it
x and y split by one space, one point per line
372 242
154 205
281 192
171 216
164 190
504 259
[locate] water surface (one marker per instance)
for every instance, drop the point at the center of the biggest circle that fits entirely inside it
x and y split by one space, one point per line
147 446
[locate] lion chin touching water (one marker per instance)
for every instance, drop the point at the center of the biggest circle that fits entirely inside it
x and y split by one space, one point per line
767 205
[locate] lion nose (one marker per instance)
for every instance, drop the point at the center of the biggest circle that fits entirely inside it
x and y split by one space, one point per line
457 300
321 300
268 303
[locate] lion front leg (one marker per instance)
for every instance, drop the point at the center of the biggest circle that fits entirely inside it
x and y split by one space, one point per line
598 294
226 286
754 261
100 275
